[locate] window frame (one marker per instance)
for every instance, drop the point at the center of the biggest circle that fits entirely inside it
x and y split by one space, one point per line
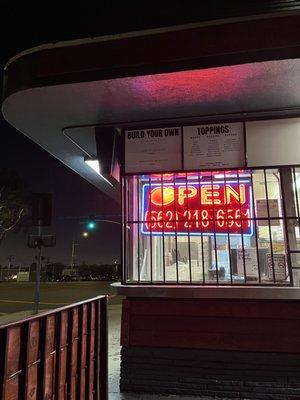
127 268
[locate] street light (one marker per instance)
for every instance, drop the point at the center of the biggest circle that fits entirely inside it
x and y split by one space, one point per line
73 251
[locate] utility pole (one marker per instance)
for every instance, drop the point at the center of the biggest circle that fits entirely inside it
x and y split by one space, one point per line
38 271
10 259
41 205
73 253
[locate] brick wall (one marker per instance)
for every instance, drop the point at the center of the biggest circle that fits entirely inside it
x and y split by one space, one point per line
228 374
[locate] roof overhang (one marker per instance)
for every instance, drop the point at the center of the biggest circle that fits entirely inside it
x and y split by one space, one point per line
240 69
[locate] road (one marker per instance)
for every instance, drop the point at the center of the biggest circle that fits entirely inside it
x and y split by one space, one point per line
16 297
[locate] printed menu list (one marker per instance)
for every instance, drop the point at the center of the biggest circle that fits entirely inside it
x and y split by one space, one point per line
214 146
153 149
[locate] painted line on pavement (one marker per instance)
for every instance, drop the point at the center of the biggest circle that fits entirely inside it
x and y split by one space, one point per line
28 302
43 302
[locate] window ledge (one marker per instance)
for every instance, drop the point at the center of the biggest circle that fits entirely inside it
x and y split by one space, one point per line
208 292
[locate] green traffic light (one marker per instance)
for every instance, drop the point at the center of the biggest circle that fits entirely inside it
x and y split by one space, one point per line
91 225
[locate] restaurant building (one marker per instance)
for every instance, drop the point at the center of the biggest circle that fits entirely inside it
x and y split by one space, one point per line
199 139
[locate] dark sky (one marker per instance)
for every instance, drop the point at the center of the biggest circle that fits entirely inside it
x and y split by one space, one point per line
24 26
27 24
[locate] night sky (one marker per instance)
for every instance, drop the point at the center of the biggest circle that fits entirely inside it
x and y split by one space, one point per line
24 26
28 24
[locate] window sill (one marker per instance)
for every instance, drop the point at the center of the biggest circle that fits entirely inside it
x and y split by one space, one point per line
208 292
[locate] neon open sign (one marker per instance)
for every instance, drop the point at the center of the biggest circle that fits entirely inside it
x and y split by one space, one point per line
207 208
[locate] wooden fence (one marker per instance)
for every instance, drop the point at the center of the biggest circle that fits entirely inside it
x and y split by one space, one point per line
59 354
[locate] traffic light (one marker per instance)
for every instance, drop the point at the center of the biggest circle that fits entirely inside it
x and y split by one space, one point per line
91 224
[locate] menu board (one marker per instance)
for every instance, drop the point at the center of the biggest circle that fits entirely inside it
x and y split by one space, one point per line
153 149
214 146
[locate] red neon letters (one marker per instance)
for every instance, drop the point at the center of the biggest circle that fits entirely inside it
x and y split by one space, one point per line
193 208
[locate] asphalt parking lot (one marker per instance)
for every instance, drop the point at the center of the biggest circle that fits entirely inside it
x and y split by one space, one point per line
17 297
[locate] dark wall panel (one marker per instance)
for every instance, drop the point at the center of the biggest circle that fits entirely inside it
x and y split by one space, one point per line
241 325
223 374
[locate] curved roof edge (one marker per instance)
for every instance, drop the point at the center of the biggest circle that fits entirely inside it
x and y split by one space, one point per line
145 32
160 51
155 76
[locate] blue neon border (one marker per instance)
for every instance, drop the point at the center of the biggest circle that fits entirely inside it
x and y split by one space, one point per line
194 233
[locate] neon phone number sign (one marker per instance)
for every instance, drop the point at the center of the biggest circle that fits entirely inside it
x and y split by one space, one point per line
207 208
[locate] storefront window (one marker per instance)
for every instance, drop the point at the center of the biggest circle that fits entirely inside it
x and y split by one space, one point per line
221 227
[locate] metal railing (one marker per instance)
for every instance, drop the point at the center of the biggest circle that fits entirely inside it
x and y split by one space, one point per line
59 354
226 227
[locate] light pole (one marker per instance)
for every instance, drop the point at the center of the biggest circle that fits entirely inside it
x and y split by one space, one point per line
73 253
10 259
38 270
73 249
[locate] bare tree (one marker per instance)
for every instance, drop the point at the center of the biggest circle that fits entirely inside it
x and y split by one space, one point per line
14 203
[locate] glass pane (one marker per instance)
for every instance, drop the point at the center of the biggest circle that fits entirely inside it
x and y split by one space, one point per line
295 260
171 268
296 277
145 258
296 188
221 227
289 185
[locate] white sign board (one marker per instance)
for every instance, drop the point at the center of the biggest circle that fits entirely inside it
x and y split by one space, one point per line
262 212
273 142
23 276
279 267
251 265
214 146
153 149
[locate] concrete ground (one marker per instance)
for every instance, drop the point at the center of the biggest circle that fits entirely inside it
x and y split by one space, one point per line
16 302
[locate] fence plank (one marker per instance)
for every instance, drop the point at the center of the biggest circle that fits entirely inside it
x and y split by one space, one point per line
91 351
12 363
49 358
103 349
83 350
62 356
32 360
74 354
